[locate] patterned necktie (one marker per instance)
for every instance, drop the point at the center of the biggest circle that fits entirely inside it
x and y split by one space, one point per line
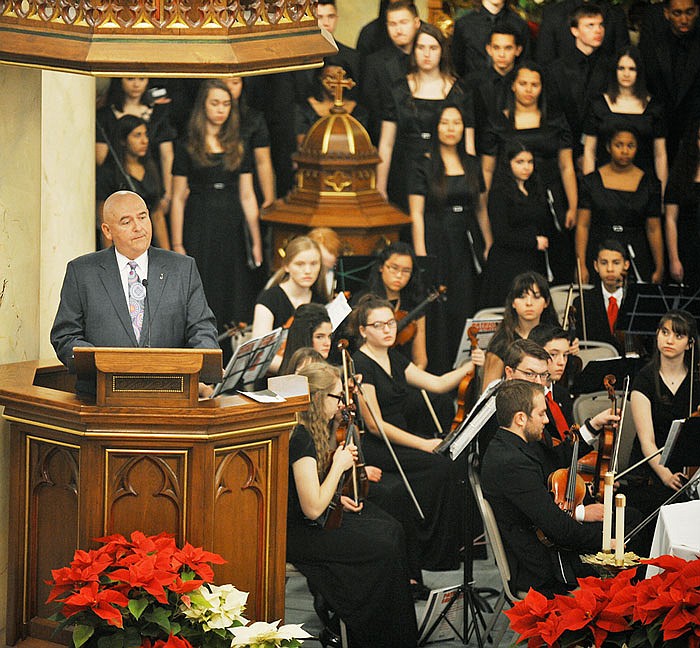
612 313
557 415
137 296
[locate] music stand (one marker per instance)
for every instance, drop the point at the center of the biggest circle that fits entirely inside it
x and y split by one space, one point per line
591 378
644 304
352 272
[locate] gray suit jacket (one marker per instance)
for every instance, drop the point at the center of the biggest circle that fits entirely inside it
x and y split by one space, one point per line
93 309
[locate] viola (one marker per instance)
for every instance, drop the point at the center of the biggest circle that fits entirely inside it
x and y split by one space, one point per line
406 326
463 387
234 331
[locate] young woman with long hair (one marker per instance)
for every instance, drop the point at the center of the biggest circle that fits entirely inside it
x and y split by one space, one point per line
528 304
311 328
391 383
627 102
520 222
359 568
128 96
214 203
444 202
620 201
412 113
682 199
527 120
661 393
134 170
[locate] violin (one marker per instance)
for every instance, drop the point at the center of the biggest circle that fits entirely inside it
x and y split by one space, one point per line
354 483
606 442
566 485
406 327
234 331
472 332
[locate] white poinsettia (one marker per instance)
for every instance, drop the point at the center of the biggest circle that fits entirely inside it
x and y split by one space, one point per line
216 606
266 635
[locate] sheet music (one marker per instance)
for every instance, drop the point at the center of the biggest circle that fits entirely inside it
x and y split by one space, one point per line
473 428
338 310
671 440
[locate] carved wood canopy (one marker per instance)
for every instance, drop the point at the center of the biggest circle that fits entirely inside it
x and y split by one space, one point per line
163 37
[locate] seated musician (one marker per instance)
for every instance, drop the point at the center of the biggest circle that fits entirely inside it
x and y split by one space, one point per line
601 305
522 503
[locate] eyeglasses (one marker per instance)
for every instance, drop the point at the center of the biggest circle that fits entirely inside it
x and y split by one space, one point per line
533 375
398 270
378 326
339 397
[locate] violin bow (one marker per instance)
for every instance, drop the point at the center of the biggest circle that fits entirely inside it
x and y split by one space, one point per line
580 294
429 405
618 436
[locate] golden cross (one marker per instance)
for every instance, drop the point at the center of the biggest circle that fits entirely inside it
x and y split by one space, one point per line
335 83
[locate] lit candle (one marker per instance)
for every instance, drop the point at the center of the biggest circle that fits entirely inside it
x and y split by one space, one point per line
620 530
608 511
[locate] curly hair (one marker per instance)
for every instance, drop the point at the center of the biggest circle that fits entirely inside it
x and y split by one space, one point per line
322 379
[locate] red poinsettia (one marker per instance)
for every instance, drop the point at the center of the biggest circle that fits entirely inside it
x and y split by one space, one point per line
101 602
197 560
611 611
171 642
146 574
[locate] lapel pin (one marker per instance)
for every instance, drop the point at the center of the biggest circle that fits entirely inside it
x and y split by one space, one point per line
161 276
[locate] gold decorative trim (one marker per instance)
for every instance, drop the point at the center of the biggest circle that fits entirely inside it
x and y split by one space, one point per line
268 494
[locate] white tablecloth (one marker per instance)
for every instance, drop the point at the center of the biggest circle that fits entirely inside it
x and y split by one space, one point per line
677 532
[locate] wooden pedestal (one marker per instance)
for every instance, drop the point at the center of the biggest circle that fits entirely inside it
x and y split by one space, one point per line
214 475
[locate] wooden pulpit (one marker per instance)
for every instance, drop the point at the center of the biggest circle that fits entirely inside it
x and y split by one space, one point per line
146 455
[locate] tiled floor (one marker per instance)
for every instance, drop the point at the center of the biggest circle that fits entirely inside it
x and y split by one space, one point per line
299 607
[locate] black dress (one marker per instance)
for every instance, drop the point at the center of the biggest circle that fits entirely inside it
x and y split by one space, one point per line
434 478
516 222
213 234
359 568
620 215
453 237
416 121
277 302
649 125
545 143
111 179
688 226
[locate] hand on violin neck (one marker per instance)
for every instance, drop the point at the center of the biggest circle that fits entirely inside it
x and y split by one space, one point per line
345 456
606 417
478 357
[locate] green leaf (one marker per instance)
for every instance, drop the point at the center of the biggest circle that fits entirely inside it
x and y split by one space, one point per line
81 633
137 606
160 616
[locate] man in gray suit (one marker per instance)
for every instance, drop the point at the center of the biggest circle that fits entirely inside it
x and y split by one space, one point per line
131 294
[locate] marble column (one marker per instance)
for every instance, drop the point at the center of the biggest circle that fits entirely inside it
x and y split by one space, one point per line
47 207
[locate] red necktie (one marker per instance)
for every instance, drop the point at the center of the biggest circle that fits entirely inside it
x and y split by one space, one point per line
612 313
557 415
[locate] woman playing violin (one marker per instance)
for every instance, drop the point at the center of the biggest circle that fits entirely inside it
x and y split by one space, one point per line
393 278
360 567
389 380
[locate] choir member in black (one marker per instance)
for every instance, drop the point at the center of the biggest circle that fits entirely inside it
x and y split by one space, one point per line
671 55
412 113
391 384
331 248
374 35
319 103
256 138
627 102
311 328
299 281
620 201
661 393
382 68
395 277
528 303
359 568
128 96
555 39
520 223
522 502
444 205
575 78
527 120
130 167
347 57
213 201
682 200
473 29
601 305
489 86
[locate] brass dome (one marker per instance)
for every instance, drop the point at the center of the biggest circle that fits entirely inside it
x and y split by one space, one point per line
337 136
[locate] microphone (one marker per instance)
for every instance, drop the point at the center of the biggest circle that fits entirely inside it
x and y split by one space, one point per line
147 313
